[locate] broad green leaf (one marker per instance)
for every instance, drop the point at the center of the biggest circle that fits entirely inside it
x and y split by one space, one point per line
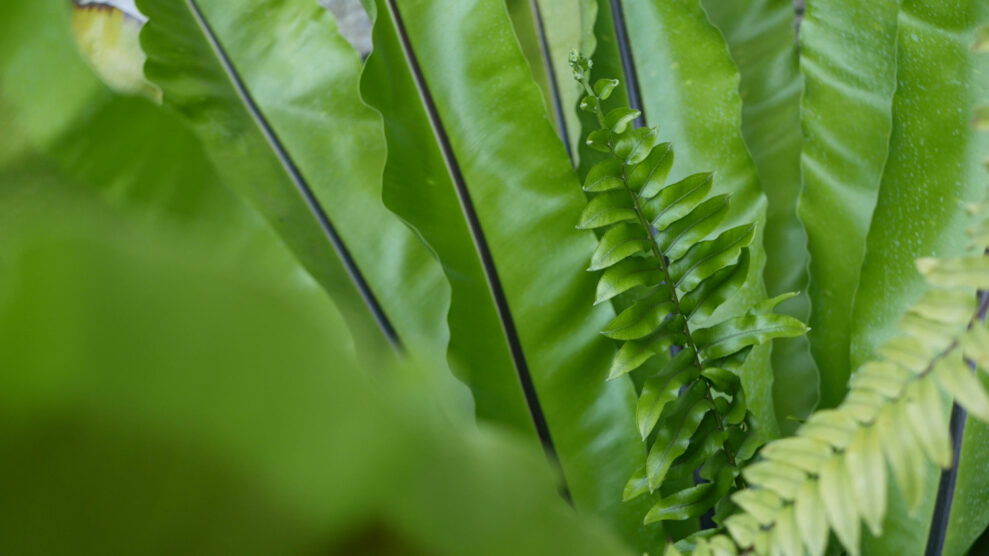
940 81
936 68
761 40
58 114
848 61
689 85
562 28
304 88
217 399
522 202
218 408
527 29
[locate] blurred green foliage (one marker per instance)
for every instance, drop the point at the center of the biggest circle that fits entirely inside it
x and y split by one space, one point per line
173 380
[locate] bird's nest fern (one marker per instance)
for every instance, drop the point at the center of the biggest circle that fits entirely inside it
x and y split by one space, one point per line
666 244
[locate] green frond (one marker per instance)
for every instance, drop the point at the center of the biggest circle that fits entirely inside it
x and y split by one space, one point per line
667 246
832 475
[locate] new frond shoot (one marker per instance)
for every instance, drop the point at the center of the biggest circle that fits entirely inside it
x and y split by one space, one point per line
664 248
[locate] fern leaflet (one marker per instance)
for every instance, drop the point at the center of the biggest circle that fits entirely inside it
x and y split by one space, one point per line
665 247
832 474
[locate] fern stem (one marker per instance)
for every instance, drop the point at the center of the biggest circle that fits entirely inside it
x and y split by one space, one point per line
674 298
664 267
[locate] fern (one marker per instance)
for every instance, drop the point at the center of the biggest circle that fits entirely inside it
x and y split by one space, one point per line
665 246
832 474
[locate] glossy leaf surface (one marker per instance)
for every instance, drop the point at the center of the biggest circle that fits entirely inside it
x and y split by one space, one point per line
305 89
848 61
561 30
526 200
278 443
173 372
939 83
761 40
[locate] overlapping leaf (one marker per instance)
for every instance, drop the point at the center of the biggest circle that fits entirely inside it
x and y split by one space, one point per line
474 165
760 37
833 474
308 178
848 61
935 167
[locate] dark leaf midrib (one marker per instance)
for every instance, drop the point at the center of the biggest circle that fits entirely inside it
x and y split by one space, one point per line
480 241
941 517
632 86
559 111
353 271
